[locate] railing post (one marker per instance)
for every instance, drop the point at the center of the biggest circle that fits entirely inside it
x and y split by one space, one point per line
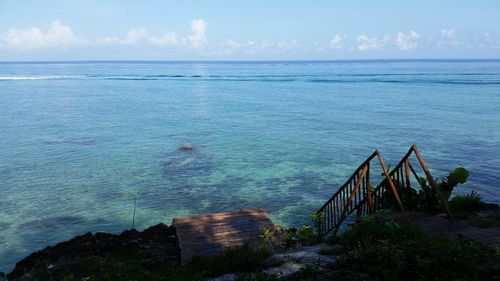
431 181
369 197
351 196
408 187
391 185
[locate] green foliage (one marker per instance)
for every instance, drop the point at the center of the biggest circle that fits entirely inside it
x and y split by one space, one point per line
426 198
267 236
468 202
459 175
370 229
317 219
303 236
382 250
126 266
456 177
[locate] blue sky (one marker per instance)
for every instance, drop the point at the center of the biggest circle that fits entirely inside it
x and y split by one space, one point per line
253 30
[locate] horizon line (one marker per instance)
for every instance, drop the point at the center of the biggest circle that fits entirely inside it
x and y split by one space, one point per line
259 61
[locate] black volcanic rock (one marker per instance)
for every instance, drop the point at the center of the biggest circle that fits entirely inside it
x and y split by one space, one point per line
155 247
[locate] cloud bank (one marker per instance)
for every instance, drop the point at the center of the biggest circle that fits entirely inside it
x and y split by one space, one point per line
60 36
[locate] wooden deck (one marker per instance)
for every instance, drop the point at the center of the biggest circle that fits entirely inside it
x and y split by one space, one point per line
210 234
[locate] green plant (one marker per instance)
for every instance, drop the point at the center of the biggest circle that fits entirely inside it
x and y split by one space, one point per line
267 235
426 199
468 202
456 177
305 235
317 219
382 250
293 237
370 229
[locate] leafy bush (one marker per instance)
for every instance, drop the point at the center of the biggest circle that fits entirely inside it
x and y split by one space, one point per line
382 250
317 220
458 176
298 237
468 202
370 229
426 199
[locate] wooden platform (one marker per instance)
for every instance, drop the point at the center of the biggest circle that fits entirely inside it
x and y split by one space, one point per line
209 234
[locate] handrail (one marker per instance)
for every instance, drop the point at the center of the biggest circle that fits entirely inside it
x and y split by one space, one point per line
357 195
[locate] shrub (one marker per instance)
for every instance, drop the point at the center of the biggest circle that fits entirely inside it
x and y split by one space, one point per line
426 199
382 250
468 202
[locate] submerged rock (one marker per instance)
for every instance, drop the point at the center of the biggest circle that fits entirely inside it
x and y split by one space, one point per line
186 148
183 158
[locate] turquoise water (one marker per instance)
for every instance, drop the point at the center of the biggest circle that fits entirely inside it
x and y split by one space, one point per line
80 141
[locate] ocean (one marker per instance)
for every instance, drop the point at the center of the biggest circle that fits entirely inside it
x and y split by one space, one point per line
81 141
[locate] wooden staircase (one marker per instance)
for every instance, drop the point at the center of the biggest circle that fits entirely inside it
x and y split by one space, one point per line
358 195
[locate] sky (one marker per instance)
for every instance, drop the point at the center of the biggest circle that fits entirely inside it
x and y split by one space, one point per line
248 30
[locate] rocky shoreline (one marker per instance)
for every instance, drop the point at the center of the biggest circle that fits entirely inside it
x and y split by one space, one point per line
155 247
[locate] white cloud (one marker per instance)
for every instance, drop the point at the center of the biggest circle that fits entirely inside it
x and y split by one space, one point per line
484 41
448 38
230 43
366 43
337 42
407 42
139 35
448 34
58 35
167 39
198 38
250 47
133 36
491 41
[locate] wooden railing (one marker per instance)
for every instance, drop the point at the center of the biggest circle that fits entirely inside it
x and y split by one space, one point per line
358 195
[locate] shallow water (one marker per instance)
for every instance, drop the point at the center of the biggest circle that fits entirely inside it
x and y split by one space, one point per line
80 141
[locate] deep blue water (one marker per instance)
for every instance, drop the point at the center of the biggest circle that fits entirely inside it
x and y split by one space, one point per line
80 141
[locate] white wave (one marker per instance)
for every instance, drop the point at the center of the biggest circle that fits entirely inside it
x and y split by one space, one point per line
42 77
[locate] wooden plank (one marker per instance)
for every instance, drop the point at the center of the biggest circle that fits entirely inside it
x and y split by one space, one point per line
210 234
